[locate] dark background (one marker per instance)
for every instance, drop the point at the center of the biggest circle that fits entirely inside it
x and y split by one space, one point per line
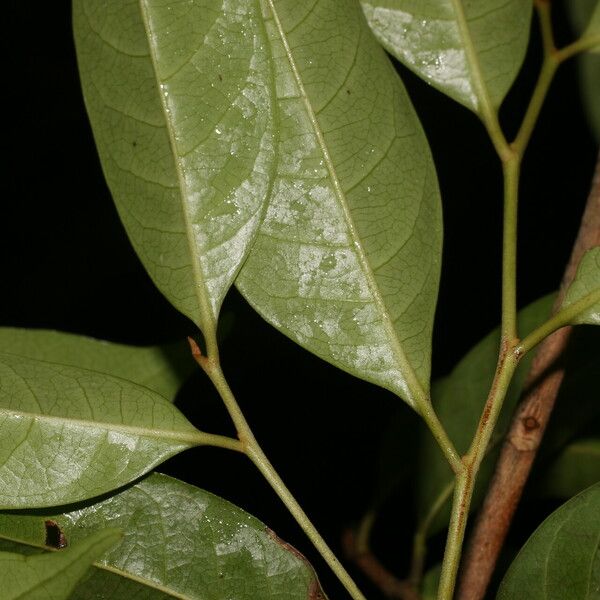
67 264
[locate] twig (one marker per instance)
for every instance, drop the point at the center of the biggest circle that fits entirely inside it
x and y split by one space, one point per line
390 586
527 428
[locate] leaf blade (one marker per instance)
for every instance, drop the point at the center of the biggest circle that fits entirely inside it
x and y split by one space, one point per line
205 545
471 51
70 434
188 170
561 558
574 469
52 576
358 291
162 369
586 288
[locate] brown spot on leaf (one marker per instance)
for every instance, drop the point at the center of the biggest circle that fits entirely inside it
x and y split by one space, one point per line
286 546
55 537
315 592
220 77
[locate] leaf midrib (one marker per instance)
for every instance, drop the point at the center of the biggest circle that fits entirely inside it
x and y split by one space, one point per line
207 317
413 385
191 437
473 60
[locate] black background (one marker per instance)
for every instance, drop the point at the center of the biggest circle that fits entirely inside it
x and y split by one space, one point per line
67 264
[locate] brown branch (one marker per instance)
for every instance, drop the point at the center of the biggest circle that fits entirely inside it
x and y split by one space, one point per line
527 428
389 585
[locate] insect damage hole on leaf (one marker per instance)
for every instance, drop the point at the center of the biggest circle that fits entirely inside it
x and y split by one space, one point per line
55 537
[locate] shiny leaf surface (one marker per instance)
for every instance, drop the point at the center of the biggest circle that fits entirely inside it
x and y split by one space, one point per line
346 262
586 289
52 576
471 51
459 400
67 434
575 468
179 96
162 369
179 541
561 560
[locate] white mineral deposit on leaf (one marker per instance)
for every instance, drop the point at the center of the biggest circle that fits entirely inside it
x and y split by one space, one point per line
412 36
243 540
127 442
329 325
301 327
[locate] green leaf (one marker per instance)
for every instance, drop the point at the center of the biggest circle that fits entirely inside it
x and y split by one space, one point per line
561 560
459 400
576 413
67 434
576 468
162 369
471 51
585 289
430 583
52 576
179 541
593 28
580 12
347 260
589 81
180 100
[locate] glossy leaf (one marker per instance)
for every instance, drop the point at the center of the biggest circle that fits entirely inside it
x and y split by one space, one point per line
471 51
162 369
52 576
459 400
586 288
561 560
576 468
179 541
180 100
347 260
67 434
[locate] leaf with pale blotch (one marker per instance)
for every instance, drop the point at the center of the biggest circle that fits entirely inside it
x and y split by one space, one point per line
574 469
458 400
179 96
162 369
178 541
471 51
52 575
561 560
67 434
585 289
347 260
